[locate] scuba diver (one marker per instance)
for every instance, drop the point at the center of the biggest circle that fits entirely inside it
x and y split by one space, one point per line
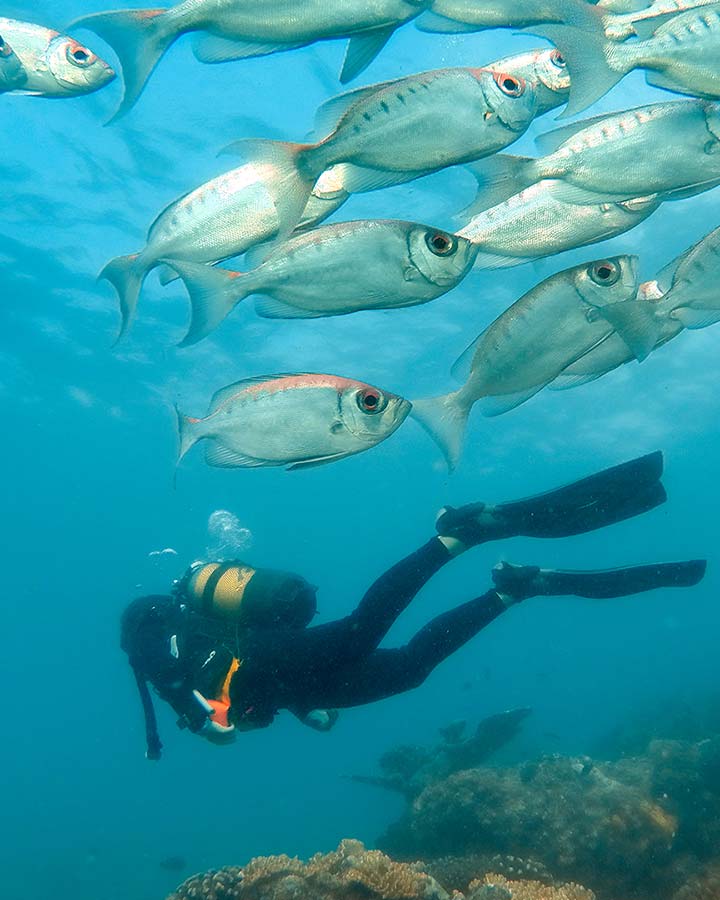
231 646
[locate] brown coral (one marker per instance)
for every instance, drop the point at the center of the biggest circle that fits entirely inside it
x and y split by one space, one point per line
455 873
349 873
705 886
497 885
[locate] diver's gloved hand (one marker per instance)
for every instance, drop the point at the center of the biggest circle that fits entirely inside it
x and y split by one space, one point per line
218 734
321 719
216 727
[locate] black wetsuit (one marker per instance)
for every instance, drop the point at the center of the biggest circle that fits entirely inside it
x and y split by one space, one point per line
340 664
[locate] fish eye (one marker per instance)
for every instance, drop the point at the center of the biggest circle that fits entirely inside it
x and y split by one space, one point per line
5 49
79 56
509 84
558 60
371 401
604 273
440 243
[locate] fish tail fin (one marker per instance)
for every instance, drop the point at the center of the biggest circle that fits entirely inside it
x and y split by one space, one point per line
139 38
595 63
445 420
213 294
126 274
188 434
499 178
297 167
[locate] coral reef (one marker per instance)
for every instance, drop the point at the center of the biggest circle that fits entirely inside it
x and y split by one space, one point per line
456 873
703 886
409 769
497 887
349 873
635 829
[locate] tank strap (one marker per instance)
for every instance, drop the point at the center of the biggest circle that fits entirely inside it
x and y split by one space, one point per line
208 594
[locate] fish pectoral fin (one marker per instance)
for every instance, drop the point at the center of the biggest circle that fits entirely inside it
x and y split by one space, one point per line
432 23
502 403
696 318
635 323
270 308
316 461
209 48
362 50
223 457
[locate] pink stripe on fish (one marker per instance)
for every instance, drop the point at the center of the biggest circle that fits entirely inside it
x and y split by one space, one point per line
292 382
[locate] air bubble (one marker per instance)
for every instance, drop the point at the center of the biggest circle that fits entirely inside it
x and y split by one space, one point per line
227 538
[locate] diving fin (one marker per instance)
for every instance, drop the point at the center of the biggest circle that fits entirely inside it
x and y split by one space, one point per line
597 501
521 582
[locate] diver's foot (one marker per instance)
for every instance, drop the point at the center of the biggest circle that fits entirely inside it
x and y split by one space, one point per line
470 525
516 583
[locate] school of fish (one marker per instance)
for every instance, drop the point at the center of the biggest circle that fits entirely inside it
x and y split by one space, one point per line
594 179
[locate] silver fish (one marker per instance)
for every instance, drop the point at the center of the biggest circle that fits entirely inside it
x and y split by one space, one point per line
534 224
292 420
681 54
621 24
543 70
55 65
397 131
533 341
664 148
332 271
684 295
466 16
220 219
614 352
12 74
690 284
239 29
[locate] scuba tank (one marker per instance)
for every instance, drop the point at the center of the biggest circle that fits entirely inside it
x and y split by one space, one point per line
239 594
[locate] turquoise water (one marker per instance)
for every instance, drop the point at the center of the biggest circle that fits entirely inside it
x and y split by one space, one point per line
88 456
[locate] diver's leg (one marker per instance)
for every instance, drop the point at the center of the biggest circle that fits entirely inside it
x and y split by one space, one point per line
336 643
384 673
602 499
521 582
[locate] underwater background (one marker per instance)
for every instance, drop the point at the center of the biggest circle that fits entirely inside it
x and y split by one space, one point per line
88 454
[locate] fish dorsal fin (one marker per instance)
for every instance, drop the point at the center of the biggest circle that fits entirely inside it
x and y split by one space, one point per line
223 457
462 367
362 50
328 114
226 393
549 142
432 23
